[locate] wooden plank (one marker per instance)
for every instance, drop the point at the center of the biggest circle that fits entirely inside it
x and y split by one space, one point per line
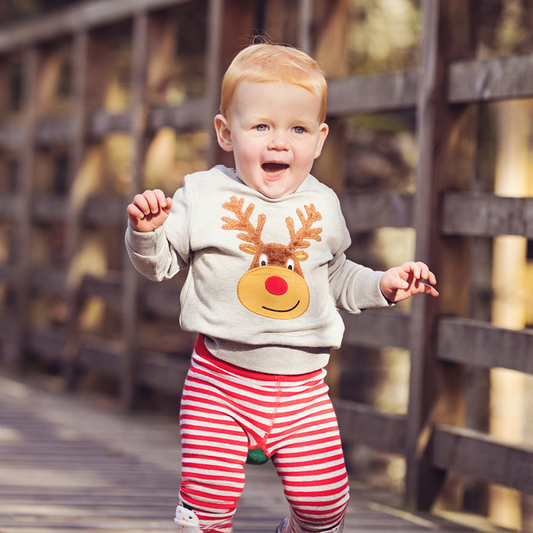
102 355
161 300
480 344
158 371
375 328
105 209
187 116
102 123
77 464
157 299
492 79
367 211
8 206
162 373
82 17
470 81
108 288
8 273
48 281
366 425
484 457
7 327
47 344
53 131
486 215
190 115
47 209
11 136
372 93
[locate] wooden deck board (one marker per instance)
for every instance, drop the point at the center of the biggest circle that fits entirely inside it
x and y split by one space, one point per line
68 466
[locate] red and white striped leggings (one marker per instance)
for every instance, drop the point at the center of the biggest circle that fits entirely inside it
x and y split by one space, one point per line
227 411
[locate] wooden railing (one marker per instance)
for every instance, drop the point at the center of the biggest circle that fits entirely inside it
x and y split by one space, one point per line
444 211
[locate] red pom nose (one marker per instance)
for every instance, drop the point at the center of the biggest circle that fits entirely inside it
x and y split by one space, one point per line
276 285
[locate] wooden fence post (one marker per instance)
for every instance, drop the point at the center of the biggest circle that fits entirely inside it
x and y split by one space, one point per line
230 23
306 20
24 198
80 60
447 151
213 72
131 286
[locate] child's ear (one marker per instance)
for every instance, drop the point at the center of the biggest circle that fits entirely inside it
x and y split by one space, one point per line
223 133
323 133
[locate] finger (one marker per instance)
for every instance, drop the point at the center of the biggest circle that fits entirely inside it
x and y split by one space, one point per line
411 269
153 202
431 290
417 270
426 274
161 199
423 270
168 205
398 284
425 287
138 207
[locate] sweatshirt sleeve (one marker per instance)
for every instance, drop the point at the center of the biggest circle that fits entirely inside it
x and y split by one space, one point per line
353 287
162 253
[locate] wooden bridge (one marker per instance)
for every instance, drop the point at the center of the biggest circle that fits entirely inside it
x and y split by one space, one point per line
74 464
60 74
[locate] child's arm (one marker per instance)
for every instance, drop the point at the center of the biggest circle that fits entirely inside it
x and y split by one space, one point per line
149 210
151 251
400 283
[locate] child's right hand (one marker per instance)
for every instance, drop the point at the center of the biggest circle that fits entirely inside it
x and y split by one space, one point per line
149 210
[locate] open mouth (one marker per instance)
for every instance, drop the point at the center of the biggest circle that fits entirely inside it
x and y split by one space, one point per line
282 310
273 167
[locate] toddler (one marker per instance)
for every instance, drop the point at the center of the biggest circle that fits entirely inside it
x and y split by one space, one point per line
264 244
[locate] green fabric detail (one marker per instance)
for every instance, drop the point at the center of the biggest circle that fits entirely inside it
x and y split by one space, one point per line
257 457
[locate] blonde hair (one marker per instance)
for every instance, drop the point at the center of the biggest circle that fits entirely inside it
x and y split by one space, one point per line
263 63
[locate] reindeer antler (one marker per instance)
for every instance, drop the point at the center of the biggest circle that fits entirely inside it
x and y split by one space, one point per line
300 240
250 234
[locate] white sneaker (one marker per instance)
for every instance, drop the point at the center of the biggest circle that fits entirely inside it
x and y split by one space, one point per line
284 527
281 527
187 520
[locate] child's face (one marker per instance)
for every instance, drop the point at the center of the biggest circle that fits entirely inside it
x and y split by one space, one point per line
275 135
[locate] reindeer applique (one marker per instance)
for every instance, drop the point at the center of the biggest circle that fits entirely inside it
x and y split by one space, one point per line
274 285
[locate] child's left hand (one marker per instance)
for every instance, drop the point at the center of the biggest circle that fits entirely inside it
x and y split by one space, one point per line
400 283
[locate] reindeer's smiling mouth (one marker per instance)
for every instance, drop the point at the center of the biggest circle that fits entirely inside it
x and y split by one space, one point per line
282 310
257 292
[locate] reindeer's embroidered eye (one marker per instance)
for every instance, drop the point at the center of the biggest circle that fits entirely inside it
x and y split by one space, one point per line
290 264
263 260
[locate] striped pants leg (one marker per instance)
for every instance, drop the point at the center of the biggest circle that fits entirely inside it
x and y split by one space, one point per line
226 411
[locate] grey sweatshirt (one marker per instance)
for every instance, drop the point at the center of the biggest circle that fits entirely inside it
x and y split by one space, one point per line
266 276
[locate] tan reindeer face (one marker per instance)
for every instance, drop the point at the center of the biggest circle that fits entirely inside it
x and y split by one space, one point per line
274 285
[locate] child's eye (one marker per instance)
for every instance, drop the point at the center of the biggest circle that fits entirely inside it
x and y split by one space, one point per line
299 129
261 127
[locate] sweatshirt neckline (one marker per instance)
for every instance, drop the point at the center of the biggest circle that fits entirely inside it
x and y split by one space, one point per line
232 174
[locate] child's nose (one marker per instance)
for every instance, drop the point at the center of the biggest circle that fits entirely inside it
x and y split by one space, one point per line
278 142
276 285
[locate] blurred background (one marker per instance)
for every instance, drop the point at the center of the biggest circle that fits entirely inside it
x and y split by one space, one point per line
90 117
